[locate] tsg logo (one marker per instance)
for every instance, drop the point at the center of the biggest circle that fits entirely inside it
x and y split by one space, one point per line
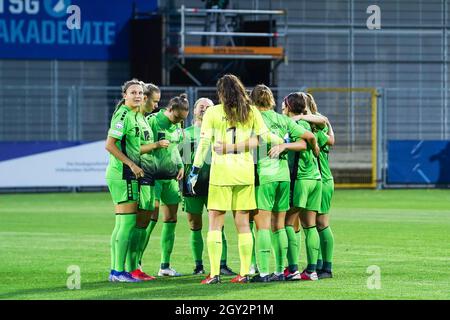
56 8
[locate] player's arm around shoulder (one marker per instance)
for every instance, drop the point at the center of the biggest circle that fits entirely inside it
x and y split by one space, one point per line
331 140
260 129
309 137
294 143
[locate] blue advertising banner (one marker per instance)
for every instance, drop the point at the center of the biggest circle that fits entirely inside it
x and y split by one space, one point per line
418 162
67 29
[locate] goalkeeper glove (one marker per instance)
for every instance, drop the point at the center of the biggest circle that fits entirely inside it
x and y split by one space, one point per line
192 180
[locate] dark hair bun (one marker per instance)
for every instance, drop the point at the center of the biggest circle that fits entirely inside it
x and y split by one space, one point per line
183 96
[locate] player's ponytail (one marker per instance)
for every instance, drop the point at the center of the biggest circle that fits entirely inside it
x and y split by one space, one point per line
125 87
262 96
311 103
179 103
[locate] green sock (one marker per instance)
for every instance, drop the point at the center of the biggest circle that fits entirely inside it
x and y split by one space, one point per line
312 243
292 252
298 234
145 240
197 246
132 260
113 242
167 241
327 246
252 224
263 246
127 224
223 258
319 258
280 248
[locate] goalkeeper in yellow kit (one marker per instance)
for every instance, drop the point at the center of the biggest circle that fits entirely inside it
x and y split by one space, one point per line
229 127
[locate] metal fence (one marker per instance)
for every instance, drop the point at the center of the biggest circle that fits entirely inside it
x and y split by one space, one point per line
82 113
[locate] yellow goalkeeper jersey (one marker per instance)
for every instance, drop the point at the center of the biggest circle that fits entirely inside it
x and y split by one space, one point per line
232 168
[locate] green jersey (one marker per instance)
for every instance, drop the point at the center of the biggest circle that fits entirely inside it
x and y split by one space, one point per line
192 138
305 165
324 166
273 170
124 127
147 159
168 160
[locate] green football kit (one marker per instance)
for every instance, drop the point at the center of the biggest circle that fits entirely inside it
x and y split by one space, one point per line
306 188
147 183
307 191
327 177
167 160
272 175
272 182
194 204
325 258
121 181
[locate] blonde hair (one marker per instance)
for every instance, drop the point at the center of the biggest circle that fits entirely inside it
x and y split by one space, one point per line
150 89
200 99
311 103
262 96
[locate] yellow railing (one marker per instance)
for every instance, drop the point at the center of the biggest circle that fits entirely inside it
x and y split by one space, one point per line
373 106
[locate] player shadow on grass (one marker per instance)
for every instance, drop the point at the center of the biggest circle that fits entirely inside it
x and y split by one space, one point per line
186 287
162 288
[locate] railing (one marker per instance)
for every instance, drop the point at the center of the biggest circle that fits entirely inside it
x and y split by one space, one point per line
83 113
221 52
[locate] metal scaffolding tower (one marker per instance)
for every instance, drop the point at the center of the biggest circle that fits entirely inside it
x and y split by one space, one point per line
223 43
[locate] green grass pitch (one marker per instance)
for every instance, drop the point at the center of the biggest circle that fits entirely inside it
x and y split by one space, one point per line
406 233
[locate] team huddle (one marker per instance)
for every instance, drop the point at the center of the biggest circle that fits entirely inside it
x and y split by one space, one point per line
269 169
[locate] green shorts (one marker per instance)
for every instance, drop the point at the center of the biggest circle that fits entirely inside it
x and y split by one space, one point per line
146 197
123 191
327 194
167 191
307 194
273 196
195 205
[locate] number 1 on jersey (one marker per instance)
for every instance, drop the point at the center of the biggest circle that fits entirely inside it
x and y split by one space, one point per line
233 134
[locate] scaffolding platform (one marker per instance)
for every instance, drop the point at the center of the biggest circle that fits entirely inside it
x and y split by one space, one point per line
226 52
273 51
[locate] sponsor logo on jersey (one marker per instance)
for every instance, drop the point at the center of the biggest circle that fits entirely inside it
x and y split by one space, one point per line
117 133
119 125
